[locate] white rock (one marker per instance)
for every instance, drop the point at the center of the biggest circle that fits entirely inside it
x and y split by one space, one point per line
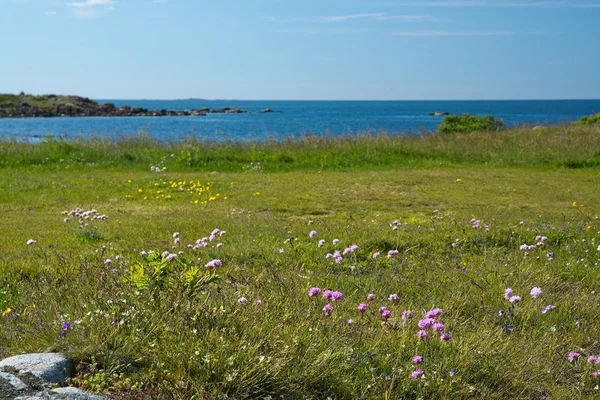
13 381
49 367
72 393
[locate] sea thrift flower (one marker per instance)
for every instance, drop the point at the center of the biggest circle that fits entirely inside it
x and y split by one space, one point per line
536 292
393 253
406 314
339 259
258 302
393 297
327 294
385 314
382 309
550 256
438 327
370 297
213 264
335 241
313 291
327 310
353 248
445 337
376 254
417 374
362 307
573 356
422 334
436 312
593 360
176 234
31 241
508 293
321 242
242 300
170 256
312 234
350 321
426 323
337 296
515 299
596 374
107 261
417 359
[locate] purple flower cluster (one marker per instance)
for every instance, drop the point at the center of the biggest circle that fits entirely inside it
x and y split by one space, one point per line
63 332
213 264
430 322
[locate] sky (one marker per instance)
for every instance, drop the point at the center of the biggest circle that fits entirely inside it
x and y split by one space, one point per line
302 49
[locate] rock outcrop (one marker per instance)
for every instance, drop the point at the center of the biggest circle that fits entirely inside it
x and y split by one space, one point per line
26 106
35 376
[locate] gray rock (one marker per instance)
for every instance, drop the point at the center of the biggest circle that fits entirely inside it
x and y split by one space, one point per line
72 393
13 381
38 396
49 367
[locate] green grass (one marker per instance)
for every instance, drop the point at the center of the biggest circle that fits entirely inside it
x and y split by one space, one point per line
561 146
150 329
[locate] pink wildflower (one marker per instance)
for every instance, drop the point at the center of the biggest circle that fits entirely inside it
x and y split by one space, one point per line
417 374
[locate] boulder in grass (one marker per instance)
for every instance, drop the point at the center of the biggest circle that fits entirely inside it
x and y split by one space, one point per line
48 367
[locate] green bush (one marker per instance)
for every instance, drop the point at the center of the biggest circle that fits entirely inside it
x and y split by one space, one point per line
589 120
470 123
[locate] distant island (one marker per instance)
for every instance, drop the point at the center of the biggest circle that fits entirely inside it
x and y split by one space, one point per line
51 105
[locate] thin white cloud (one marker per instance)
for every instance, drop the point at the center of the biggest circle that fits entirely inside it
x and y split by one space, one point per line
90 3
338 18
493 4
450 33
318 31
377 16
88 8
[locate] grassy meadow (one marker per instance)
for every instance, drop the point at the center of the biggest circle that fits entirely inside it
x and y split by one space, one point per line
138 301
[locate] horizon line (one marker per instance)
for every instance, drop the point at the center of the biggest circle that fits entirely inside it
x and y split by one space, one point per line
340 100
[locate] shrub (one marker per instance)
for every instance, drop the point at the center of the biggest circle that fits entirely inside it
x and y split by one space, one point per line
589 120
470 123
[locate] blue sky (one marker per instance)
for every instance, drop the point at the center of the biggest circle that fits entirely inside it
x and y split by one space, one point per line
309 49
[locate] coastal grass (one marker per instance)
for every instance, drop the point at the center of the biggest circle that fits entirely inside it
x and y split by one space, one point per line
568 146
175 330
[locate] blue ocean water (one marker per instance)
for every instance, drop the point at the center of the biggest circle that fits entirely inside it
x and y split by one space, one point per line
294 118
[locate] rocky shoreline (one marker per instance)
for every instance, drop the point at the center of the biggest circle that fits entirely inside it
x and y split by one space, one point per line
49 106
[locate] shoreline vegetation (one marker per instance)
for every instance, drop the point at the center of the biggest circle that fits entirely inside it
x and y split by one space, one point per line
374 266
563 146
49 106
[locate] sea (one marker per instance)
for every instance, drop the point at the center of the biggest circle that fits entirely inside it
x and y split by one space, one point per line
291 119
